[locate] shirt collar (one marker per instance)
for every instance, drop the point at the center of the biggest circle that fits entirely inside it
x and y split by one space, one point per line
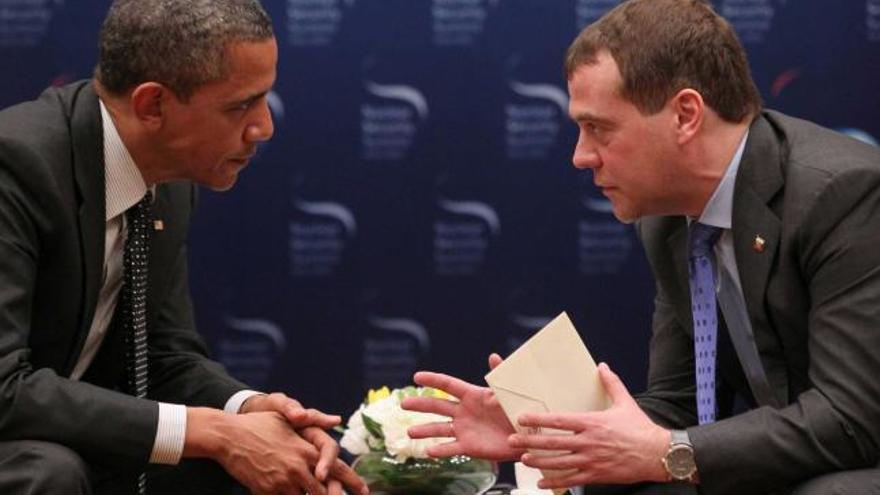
719 210
123 185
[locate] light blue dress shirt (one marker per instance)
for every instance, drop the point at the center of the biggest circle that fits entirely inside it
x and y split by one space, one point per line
719 213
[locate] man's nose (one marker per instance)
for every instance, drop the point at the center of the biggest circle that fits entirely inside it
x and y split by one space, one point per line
262 128
585 157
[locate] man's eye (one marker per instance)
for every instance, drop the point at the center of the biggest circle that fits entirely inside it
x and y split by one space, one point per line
241 108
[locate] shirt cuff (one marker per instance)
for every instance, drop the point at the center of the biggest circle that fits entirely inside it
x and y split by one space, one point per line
233 405
170 435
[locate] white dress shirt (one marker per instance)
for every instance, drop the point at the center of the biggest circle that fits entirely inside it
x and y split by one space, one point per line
125 187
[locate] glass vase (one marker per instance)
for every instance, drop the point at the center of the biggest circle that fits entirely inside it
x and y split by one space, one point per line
458 475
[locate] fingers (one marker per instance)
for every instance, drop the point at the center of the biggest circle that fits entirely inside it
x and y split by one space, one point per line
304 478
543 442
494 360
446 383
563 461
301 418
291 409
334 487
566 481
344 474
558 421
615 388
430 405
448 449
432 430
328 450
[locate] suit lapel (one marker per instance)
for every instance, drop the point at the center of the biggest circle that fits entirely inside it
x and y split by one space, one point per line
87 136
758 181
677 242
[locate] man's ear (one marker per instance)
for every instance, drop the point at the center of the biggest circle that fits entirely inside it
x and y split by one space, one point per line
689 110
149 102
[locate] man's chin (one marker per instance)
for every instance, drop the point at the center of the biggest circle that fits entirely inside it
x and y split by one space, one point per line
625 216
221 185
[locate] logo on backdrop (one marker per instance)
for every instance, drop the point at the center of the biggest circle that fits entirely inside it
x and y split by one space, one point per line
533 116
783 80
872 19
459 22
249 349
25 23
462 235
587 12
752 19
603 243
859 134
319 234
315 22
393 347
390 119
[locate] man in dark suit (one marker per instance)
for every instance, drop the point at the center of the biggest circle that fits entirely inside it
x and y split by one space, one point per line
762 234
179 96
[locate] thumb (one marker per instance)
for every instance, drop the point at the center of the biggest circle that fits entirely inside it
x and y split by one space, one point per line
494 360
615 388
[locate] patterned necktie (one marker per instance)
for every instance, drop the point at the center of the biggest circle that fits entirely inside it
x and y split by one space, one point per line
702 282
133 302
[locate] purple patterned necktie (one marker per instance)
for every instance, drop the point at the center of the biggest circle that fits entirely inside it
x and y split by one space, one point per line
702 282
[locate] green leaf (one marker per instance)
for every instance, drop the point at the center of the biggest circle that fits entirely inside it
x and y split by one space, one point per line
373 427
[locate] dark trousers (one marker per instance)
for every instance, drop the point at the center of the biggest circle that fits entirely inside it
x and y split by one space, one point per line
42 468
856 482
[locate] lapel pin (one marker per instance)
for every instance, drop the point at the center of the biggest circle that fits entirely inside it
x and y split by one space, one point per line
158 225
758 246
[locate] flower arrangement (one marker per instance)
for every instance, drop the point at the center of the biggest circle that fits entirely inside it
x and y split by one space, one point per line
391 463
380 424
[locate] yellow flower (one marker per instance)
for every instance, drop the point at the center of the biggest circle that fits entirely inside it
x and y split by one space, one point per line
442 395
377 395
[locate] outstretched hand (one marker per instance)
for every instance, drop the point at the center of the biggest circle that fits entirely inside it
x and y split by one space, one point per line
617 445
479 427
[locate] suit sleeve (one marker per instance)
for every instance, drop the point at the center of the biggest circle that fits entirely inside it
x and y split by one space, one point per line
835 424
180 369
38 404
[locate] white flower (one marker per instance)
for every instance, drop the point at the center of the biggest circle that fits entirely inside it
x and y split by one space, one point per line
397 440
385 414
354 439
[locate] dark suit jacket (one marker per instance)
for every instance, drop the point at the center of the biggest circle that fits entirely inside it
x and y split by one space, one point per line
51 258
813 296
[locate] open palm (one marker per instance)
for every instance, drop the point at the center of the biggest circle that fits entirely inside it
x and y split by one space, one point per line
479 427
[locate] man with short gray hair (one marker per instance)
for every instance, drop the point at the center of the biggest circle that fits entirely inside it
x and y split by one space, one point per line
105 386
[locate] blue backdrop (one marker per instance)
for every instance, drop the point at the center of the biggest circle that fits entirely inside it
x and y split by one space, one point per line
417 207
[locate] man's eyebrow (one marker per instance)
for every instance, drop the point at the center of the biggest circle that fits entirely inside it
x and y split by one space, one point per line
249 99
584 116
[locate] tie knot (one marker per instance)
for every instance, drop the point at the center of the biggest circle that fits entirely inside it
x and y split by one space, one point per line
141 210
702 238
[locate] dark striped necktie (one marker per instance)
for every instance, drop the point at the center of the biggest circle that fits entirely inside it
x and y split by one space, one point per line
133 302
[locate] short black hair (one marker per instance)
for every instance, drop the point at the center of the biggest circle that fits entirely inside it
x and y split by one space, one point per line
178 43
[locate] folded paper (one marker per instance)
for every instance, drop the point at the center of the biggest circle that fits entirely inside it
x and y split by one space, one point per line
551 372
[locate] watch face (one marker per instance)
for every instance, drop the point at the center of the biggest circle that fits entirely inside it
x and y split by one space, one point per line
680 462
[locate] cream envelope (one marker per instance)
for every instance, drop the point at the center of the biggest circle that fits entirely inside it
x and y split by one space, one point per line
551 372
